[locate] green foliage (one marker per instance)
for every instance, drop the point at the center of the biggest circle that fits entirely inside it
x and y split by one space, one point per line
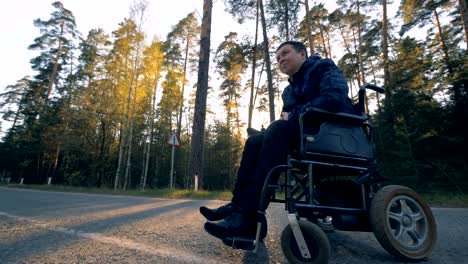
284 15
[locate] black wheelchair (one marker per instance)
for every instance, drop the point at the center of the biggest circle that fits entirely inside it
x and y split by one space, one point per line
334 175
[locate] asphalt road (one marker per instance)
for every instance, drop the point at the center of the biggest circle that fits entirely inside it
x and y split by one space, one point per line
55 227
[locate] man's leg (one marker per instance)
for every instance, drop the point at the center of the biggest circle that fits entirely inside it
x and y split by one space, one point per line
247 167
276 146
244 179
273 152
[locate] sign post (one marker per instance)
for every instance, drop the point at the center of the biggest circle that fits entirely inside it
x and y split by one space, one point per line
174 142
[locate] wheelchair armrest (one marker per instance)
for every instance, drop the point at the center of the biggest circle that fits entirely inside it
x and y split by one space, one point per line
322 115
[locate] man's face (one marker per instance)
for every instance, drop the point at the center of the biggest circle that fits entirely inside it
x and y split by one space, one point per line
289 59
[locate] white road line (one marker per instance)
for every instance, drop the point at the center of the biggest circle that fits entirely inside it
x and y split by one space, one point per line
173 253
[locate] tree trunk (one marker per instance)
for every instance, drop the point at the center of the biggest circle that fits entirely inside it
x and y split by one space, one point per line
358 68
286 19
119 162
254 62
151 135
322 36
123 131
271 93
132 118
196 159
309 31
329 44
238 123
179 121
361 63
54 70
54 169
129 152
443 46
102 149
348 49
464 16
388 95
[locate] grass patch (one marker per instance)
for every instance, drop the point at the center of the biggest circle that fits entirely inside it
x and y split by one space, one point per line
160 193
446 199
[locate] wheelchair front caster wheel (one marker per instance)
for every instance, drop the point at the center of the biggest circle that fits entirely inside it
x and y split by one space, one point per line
403 223
316 240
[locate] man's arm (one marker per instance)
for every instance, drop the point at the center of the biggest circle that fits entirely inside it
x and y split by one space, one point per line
333 88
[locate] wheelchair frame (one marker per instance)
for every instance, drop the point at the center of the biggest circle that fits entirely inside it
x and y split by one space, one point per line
300 203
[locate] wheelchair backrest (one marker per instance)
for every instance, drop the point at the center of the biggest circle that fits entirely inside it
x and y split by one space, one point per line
341 134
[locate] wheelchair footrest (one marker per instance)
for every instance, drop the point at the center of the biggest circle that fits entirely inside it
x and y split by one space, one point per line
244 243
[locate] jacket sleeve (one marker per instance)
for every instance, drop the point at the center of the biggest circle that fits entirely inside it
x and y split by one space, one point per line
333 89
288 99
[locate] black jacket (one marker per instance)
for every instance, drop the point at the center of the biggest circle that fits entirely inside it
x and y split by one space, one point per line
318 83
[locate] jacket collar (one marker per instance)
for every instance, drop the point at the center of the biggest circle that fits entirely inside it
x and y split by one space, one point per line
300 73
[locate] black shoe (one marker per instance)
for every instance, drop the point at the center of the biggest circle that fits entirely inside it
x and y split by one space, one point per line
237 224
218 213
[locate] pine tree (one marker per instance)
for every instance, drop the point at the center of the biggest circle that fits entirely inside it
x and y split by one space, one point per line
184 35
284 14
151 71
196 157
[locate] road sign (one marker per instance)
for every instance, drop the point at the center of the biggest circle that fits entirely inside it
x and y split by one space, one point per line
174 141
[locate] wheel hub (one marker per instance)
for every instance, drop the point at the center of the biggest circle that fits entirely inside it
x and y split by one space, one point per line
406 221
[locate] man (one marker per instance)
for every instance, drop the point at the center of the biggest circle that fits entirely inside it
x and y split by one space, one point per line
313 82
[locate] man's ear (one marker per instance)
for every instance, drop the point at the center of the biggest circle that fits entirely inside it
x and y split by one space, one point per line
303 54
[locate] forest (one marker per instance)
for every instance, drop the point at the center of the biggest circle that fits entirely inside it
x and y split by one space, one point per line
102 106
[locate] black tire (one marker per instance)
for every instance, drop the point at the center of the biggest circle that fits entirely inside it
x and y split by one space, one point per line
316 240
403 223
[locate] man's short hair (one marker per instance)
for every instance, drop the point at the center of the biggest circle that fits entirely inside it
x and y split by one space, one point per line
297 45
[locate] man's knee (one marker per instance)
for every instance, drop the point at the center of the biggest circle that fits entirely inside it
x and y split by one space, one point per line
254 140
277 126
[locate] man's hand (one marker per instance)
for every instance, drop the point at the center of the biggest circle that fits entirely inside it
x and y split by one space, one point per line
284 116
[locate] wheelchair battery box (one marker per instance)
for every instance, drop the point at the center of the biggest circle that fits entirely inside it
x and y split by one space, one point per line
339 139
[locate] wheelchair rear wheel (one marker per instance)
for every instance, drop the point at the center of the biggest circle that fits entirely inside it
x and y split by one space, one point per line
403 223
316 240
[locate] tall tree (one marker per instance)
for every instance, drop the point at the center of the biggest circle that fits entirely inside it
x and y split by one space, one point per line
266 50
231 64
284 14
196 157
310 40
55 44
463 7
137 13
53 65
254 68
184 35
385 37
124 61
317 17
420 12
14 97
245 9
151 71
361 9
95 102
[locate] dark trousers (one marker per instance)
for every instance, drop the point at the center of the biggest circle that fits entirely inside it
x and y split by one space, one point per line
262 152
